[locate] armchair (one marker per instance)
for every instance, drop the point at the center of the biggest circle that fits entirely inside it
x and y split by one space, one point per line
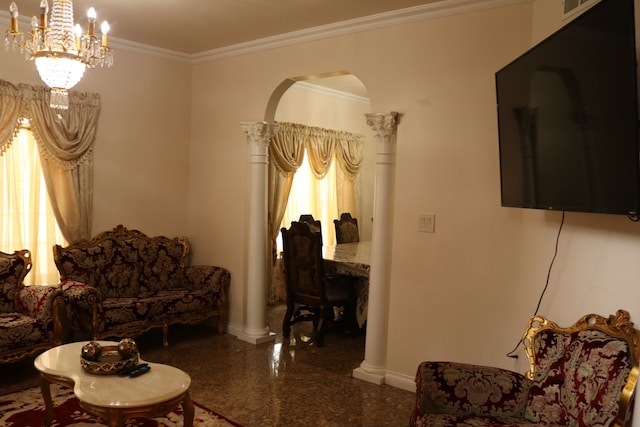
30 316
583 375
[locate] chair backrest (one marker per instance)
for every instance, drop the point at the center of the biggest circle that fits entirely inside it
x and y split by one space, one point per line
13 269
582 375
303 264
346 229
125 263
315 224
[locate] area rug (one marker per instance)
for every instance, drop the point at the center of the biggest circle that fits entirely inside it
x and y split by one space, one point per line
25 408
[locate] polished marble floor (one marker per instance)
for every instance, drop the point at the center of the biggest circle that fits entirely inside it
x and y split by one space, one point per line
289 382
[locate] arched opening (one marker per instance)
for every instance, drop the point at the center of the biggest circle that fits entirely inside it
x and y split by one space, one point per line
335 101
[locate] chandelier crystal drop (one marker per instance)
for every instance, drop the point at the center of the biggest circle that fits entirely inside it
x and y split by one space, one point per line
59 48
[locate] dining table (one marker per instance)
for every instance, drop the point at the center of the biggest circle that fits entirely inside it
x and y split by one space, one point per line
351 259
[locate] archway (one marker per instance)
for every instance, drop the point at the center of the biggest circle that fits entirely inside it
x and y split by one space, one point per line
337 101
259 134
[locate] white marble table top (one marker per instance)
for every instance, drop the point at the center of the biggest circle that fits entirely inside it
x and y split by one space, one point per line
352 258
160 384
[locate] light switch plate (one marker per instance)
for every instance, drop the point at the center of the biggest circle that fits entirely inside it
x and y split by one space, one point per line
427 222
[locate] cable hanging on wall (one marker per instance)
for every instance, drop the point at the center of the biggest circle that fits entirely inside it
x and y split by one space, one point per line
546 285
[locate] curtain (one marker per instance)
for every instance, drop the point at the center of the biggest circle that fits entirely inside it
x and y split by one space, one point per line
286 153
65 140
27 219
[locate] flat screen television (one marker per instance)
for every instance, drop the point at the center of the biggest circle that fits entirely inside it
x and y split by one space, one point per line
568 117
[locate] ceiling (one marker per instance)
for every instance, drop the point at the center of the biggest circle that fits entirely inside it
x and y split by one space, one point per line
193 26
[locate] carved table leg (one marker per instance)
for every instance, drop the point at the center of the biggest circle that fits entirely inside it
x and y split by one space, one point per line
48 402
188 410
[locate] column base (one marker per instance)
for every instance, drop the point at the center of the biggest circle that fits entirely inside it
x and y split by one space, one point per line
369 374
257 337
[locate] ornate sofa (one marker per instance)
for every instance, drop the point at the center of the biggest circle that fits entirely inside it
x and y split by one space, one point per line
30 316
123 283
584 375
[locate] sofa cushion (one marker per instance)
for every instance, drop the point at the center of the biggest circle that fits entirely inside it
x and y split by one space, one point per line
464 389
18 330
131 309
447 420
152 307
163 264
8 292
578 378
12 272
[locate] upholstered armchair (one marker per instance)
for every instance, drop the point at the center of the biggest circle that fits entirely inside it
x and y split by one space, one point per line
584 375
30 316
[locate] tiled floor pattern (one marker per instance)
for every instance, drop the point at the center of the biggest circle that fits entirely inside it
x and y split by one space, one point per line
289 382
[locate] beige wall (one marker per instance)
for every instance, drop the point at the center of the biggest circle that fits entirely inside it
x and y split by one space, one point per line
439 75
463 293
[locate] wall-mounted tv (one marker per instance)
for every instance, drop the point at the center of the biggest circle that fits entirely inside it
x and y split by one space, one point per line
568 117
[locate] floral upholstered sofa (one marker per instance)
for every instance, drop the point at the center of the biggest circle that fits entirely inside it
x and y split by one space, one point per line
584 375
123 283
30 316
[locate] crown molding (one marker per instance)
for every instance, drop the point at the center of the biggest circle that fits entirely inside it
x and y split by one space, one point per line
366 23
305 85
352 26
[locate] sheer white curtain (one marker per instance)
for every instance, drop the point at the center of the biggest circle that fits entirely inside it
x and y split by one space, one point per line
318 197
26 216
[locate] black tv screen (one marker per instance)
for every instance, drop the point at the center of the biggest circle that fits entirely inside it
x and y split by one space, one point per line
568 117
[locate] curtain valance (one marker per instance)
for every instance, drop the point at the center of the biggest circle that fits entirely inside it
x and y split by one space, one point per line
288 145
65 137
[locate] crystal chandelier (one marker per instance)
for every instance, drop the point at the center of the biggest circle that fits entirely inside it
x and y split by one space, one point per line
60 50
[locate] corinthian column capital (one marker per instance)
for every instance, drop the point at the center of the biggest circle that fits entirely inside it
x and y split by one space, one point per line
259 133
384 125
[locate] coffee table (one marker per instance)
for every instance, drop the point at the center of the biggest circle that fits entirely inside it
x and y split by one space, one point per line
114 398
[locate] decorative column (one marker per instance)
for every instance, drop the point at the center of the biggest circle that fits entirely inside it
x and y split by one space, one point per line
373 368
255 329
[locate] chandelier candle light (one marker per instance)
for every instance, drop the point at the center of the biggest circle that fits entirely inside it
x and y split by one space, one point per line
60 50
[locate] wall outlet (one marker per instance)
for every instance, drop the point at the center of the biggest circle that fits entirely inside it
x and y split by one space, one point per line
427 222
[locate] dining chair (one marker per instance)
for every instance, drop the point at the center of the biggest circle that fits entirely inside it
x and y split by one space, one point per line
346 229
312 295
315 224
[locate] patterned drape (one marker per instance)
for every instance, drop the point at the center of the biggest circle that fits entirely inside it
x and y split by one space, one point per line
65 142
286 153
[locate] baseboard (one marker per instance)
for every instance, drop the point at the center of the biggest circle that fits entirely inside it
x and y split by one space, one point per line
404 382
233 329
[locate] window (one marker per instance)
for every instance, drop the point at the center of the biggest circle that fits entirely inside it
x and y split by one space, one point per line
26 217
312 196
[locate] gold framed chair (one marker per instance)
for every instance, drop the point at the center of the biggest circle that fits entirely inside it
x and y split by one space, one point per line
584 375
